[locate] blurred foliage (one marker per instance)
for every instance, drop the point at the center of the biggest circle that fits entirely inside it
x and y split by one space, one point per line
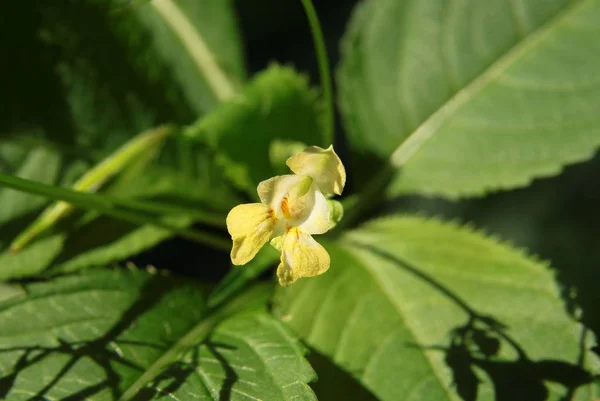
277 105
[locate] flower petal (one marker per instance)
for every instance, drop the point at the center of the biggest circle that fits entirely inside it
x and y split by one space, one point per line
323 165
290 196
301 256
272 191
250 225
319 220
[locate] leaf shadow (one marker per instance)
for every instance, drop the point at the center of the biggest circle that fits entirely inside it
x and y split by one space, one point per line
99 232
103 351
333 382
475 346
177 374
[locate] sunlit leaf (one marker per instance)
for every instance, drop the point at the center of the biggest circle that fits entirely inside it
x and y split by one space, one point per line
113 333
427 310
468 96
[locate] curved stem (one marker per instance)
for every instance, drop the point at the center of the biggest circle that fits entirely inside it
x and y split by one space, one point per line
324 72
107 206
142 146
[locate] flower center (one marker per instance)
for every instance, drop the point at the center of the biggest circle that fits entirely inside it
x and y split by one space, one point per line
298 201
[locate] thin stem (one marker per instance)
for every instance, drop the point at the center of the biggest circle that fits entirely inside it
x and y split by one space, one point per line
117 161
216 220
324 71
105 205
142 147
93 179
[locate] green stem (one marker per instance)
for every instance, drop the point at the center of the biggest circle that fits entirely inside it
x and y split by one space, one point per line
324 71
140 147
216 220
117 161
94 179
107 206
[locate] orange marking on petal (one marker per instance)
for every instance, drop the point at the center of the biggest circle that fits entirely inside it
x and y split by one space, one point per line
285 208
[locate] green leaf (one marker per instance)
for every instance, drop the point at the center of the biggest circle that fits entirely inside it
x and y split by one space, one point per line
122 70
125 70
473 96
255 353
31 260
35 163
18 208
139 147
108 333
427 310
103 240
118 71
277 105
102 72
97 239
200 42
93 240
100 240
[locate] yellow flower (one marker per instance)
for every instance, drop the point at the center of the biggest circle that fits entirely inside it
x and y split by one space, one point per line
292 209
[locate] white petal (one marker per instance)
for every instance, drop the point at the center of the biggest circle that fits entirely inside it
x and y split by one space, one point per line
272 191
291 197
318 221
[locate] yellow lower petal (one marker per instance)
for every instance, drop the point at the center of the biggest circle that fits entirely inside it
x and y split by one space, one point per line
301 256
250 225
